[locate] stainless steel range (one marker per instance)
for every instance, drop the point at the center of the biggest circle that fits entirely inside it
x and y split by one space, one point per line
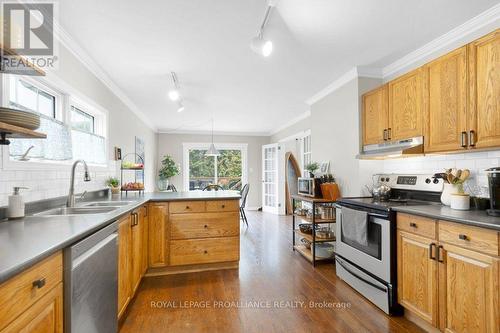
366 236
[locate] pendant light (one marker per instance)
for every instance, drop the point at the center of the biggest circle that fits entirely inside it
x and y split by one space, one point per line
212 151
260 45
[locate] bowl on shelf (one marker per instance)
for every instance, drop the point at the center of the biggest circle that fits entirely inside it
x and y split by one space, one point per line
324 250
324 233
305 228
306 243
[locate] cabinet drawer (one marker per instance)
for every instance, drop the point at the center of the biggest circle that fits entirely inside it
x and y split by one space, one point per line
20 292
202 251
187 207
223 206
474 238
418 225
204 225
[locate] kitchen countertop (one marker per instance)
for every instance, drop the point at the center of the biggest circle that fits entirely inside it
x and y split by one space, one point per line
477 218
26 241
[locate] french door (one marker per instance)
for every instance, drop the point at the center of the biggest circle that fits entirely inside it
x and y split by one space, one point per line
270 198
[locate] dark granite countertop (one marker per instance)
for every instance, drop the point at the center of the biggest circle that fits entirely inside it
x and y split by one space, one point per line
26 241
477 218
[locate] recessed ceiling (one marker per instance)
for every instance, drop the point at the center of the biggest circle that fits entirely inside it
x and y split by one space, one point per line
138 44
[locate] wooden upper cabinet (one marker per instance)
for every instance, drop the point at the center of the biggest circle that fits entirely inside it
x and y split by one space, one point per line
375 115
469 284
445 100
158 231
418 276
406 106
484 72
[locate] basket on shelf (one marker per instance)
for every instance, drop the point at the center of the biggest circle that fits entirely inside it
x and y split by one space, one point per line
136 167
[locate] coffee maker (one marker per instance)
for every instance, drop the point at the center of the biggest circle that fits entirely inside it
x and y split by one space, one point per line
494 186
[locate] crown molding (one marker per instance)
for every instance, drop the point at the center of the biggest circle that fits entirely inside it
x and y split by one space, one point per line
69 43
290 122
461 35
355 72
201 132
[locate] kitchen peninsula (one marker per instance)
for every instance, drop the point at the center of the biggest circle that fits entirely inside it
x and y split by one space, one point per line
158 233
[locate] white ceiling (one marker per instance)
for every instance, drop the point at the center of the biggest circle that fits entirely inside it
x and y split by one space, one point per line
138 43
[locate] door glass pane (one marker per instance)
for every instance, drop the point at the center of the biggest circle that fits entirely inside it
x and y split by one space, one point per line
201 169
229 169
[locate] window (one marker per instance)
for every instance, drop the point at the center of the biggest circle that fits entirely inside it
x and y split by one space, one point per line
82 120
74 129
26 96
306 153
227 170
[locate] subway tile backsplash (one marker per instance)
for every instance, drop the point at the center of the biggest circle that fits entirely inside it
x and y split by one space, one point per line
48 183
476 162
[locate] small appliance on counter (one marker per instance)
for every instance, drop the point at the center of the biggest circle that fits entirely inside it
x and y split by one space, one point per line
494 187
309 187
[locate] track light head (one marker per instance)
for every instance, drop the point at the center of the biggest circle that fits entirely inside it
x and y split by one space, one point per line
262 46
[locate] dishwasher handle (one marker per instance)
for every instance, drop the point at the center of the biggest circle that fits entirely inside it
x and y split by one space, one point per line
84 256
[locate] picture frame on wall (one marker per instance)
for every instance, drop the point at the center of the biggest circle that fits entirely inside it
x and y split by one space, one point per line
118 154
139 158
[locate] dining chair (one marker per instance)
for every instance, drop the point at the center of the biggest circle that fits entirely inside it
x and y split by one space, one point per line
213 187
243 202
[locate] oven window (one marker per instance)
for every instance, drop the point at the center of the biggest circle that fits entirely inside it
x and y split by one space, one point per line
374 235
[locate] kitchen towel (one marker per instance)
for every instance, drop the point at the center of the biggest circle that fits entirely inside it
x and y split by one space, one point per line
355 225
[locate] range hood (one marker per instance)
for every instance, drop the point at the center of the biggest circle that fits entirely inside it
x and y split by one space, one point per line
393 149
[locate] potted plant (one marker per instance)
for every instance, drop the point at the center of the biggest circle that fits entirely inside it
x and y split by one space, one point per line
312 167
114 184
168 169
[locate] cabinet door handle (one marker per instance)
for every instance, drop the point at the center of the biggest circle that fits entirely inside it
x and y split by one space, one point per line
39 283
187 207
463 237
472 138
440 257
205 226
413 225
385 135
463 140
146 211
389 133
223 206
432 247
206 252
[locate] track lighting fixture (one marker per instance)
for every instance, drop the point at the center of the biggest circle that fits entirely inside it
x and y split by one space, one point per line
174 94
259 44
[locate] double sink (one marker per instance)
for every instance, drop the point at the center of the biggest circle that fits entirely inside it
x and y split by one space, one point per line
99 207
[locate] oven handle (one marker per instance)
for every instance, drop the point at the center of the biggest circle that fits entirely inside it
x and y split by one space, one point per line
359 277
385 217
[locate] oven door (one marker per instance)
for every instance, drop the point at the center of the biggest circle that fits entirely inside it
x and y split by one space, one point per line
375 256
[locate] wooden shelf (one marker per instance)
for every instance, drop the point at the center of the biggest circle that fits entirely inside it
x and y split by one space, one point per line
311 199
309 237
306 253
16 132
317 220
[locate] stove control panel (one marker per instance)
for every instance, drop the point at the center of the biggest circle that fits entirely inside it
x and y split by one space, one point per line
411 182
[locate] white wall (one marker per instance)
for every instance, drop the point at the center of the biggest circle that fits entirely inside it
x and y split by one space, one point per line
45 181
335 134
300 126
171 144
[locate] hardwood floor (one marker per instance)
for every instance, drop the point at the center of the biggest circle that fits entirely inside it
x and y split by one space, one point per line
269 272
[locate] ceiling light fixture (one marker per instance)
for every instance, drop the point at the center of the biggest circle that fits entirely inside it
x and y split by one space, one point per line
174 94
260 45
212 151
180 107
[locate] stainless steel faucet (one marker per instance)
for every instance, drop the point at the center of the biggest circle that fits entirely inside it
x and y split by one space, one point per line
86 178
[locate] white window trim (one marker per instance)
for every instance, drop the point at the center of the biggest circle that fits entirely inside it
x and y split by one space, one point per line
63 106
302 152
187 146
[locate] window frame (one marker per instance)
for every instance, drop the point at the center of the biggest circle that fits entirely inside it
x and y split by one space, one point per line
66 96
187 146
303 153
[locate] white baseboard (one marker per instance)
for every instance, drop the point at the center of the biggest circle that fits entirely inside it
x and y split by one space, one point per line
252 208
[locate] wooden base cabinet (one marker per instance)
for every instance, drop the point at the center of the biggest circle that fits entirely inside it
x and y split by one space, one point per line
158 234
451 282
469 288
418 276
124 263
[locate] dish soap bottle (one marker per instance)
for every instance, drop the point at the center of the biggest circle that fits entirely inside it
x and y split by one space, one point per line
16 206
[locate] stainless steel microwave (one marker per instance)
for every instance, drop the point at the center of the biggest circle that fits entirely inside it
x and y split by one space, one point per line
309 187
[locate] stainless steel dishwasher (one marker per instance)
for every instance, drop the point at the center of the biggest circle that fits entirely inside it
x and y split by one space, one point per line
91 283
